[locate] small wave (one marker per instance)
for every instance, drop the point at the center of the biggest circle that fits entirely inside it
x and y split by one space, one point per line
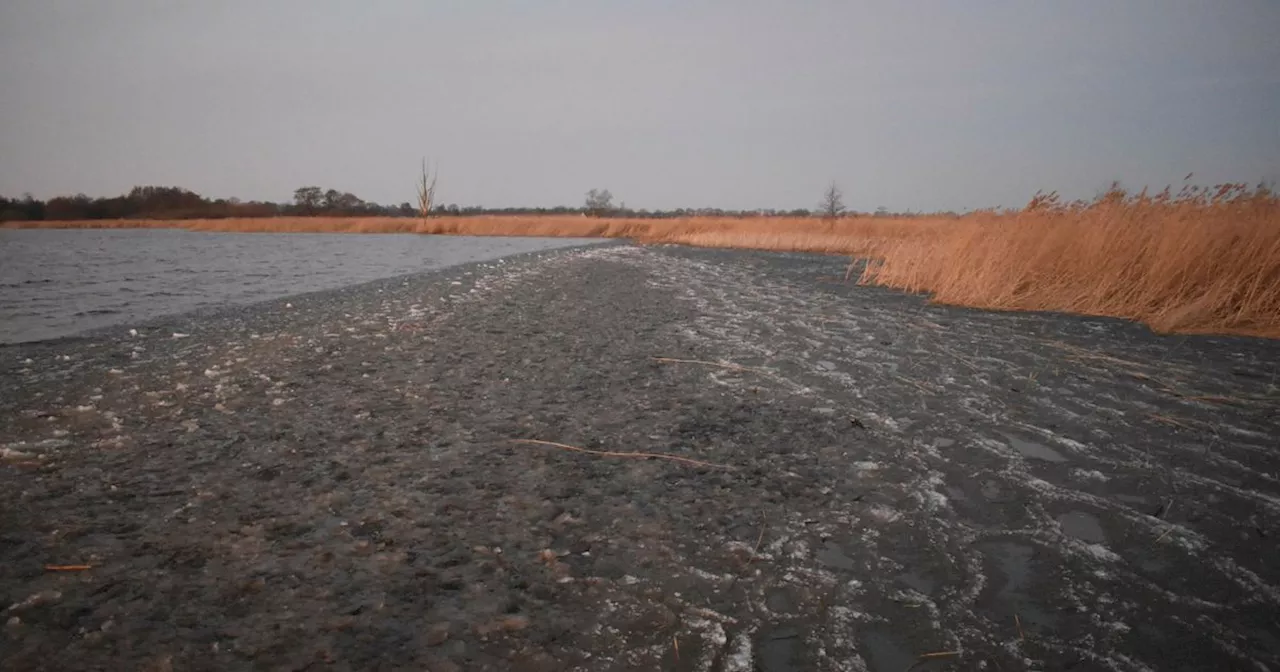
25 283
96 311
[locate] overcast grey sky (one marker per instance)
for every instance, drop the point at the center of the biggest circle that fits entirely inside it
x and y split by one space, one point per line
667 103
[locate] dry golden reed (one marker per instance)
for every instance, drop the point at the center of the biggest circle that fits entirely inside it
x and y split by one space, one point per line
1199 261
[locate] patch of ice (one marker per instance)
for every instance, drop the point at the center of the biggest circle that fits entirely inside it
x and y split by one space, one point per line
1240 431
708 576
714 637
1247 579
1095 551
932 500
887 422
882 514
738 658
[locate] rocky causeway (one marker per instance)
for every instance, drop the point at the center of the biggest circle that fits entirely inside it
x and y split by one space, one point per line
616 457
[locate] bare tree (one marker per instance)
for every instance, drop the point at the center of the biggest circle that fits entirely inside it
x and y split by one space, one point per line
599 203
832 204
427 191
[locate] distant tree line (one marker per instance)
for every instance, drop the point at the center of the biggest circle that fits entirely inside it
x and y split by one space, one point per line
177 203
153 202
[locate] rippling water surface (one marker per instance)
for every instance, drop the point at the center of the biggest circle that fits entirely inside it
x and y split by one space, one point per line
60 282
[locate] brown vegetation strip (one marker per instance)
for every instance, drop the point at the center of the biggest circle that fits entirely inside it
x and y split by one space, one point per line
1198 261
1195 262
608 453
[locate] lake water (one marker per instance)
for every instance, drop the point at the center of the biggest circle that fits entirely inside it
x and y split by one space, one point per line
61 282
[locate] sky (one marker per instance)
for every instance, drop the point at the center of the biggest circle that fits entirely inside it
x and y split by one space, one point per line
910 105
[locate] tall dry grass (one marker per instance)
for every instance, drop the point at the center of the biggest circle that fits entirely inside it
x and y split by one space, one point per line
1197 261
1203 260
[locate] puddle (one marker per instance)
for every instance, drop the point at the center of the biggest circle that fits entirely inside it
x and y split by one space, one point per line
995 492
780 600
1082 526
1268 640
779 649
1153 565
1014 562
918 582
1034 450
884 654
832 555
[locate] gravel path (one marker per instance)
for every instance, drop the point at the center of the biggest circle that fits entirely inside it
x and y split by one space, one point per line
333 481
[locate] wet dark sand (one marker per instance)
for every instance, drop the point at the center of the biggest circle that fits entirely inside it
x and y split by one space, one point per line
329 481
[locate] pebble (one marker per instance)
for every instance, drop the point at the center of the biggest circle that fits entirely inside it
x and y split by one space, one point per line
514 622
437 634
7 453
37 599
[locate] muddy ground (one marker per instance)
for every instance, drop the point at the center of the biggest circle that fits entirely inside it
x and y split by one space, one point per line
330 482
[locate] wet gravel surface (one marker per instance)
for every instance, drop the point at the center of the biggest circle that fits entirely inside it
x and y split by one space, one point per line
330 481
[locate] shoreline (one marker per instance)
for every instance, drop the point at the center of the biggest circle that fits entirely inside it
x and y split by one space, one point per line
336 484
185 290
1000 260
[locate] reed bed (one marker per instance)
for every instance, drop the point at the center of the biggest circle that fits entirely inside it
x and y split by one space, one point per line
1201 261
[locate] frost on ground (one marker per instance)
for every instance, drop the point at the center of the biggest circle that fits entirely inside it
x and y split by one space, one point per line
331 482
1030 490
